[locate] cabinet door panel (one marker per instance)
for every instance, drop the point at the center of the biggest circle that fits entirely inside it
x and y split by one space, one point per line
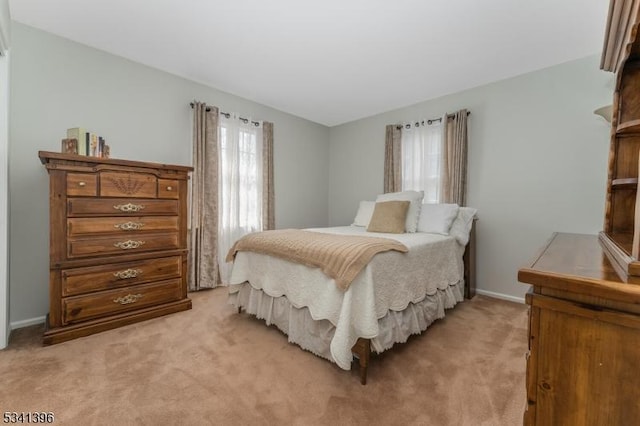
574 377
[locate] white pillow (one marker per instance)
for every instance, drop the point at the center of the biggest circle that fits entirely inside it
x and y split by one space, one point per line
365 211
437 218
415 197
461 226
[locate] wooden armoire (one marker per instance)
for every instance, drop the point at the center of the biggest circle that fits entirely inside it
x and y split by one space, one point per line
584 315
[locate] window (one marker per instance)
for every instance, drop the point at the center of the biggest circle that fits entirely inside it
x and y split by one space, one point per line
421 157
240 184
240 177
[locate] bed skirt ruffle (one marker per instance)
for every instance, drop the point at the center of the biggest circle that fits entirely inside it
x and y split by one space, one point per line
316 335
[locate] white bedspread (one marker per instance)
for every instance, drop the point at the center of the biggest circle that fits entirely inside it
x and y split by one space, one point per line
391 281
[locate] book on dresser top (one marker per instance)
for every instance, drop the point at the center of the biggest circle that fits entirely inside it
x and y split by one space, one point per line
93 144
88 144
78 133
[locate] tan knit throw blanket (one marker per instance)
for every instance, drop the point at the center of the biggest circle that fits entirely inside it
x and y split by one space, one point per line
340 257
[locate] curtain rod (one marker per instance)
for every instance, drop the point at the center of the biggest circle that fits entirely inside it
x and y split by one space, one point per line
226 114
429 121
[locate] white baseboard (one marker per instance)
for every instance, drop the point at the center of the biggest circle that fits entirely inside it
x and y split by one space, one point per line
39 320
500 296
27 322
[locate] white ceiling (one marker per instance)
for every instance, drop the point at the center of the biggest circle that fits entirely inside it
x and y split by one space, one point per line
331 61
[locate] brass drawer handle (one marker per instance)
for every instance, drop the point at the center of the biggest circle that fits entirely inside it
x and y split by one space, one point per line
128 245
129 226
129 207
82 184
127 273
169 188
129 298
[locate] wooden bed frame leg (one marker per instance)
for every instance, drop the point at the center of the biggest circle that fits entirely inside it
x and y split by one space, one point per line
363 360
469 260
239 309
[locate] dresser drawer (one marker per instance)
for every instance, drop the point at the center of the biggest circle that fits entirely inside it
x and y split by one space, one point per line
95 278
124 225
122 244
118 184
82 184
168 188
110 302
120 207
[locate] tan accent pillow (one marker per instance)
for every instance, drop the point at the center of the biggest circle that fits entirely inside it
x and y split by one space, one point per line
389 216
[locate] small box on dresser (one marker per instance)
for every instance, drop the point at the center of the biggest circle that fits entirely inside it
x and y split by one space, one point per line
118 243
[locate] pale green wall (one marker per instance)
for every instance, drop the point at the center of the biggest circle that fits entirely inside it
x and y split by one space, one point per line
144 115
537 156
537 162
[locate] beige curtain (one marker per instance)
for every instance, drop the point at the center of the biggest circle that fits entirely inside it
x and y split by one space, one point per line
268 199
393 159
203 244
454 159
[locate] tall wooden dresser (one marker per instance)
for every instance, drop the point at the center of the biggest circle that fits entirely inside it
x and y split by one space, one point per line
118 243
584 315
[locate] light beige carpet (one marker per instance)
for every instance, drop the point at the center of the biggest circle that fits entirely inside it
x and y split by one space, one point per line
211 365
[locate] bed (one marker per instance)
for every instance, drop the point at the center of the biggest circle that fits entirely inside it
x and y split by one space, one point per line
394 296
